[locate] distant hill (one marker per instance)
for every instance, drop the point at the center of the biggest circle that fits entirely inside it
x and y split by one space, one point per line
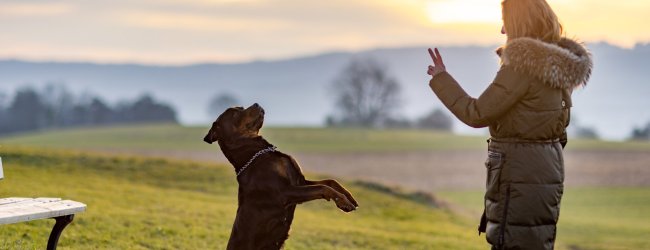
296 91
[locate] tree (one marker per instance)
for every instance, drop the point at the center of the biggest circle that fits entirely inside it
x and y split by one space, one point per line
27 111
60 103
586 133
220 102
578 130
147 109
641 133
366 95
400 123
100 113
436 119
3 112
3 100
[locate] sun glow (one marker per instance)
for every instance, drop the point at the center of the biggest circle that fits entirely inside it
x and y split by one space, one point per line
464 11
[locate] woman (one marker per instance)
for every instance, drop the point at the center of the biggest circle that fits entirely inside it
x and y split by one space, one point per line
527 110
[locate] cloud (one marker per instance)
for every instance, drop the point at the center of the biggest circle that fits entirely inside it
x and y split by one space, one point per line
35 9
211 2
108 54
619 22
195 22
464 11
235 30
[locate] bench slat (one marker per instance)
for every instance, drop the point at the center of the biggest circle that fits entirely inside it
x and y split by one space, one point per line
26 209
28 202
19 200
12 200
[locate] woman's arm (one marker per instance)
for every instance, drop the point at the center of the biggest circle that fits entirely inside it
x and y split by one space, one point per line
507 88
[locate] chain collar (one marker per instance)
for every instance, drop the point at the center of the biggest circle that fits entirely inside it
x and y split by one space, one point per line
261 152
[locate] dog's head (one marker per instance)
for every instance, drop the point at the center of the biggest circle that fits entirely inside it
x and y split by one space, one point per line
235 123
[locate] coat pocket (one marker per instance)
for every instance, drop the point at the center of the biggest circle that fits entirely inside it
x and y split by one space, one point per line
493 164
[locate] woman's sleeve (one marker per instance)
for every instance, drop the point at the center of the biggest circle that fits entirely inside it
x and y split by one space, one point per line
507 88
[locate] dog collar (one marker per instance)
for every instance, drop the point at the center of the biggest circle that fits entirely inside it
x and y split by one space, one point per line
261 152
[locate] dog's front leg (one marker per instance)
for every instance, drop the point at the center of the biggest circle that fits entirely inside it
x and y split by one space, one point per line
299 194
336 186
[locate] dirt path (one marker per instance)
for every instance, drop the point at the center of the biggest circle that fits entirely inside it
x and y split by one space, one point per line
450 170
465 169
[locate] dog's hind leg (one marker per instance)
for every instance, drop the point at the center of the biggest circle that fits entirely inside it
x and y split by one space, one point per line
298 194
336 186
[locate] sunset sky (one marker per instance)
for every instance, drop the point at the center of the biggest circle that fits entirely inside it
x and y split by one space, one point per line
190 31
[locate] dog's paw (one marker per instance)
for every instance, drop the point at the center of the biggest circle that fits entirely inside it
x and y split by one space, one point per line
344 204
339 188
349 196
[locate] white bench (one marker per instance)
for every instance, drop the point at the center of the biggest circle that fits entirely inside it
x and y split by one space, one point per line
15 210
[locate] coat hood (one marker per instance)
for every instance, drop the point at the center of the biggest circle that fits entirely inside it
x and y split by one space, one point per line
566 64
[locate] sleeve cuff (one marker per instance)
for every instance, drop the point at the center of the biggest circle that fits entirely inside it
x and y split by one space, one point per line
439 79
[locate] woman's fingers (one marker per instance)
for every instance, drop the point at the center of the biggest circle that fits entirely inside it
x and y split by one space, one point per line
438 65
433 57
438 57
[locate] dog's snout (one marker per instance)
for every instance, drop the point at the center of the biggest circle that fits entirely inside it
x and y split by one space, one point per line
207 139
256 107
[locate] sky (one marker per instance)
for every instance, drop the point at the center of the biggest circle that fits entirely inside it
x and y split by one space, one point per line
193 31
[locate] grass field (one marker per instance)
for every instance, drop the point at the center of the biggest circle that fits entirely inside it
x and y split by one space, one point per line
151 203
590 218
144 203
175 137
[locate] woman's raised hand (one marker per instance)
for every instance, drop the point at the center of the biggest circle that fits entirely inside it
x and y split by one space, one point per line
438 66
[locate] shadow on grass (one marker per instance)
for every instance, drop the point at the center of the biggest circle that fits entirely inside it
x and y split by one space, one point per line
415 196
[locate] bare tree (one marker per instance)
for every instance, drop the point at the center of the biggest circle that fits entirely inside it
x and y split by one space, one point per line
221 102
366 94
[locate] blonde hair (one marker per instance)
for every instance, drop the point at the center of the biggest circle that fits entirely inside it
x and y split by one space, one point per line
531 18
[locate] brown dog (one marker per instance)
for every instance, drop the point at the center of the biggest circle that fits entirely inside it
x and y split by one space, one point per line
271 183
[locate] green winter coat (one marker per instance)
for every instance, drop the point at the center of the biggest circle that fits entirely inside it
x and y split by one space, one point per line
527 108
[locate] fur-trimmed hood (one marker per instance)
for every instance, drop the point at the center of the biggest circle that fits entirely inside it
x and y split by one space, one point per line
566 64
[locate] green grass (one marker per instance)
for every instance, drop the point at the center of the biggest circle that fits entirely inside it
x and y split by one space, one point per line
175 137
590 218
147 203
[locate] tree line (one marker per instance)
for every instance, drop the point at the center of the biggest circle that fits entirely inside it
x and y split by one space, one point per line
54 106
